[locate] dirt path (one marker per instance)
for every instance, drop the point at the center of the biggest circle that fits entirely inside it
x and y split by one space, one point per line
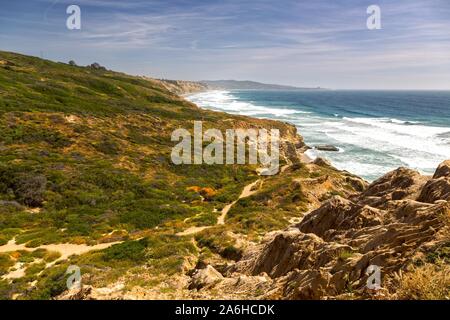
64 249
246 192
192 230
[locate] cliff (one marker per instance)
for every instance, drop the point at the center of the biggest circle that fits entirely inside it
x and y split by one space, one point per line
183 87
400 223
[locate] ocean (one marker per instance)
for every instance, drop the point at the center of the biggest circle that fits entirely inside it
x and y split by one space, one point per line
375 131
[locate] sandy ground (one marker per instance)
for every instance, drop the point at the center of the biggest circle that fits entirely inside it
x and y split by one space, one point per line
64 249
192 230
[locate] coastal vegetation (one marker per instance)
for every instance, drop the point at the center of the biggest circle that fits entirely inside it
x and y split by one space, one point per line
85 159
86 179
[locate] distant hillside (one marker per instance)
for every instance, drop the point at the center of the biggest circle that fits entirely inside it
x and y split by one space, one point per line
249 85
183 87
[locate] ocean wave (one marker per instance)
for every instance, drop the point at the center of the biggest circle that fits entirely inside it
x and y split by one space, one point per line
312 154
226 101
368 146
399 126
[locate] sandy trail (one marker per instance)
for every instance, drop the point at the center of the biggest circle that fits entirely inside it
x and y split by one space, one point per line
192 230
246 192
64 249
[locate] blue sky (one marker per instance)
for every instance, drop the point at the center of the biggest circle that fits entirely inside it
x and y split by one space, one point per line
306 43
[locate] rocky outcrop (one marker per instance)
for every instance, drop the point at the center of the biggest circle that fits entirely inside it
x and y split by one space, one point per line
326 147
398 218
396 185
443 170
438 188
205 277
322 162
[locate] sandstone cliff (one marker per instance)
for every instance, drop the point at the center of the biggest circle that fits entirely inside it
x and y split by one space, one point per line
400 223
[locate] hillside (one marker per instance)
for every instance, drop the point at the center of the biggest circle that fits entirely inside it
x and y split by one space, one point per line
183 87
86 180
248 85
86 160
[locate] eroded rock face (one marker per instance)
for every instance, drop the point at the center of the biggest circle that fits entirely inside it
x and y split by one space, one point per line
443 170
322 162
339 214
396 185
438 188
399 216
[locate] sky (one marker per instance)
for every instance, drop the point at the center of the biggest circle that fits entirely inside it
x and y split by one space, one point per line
305 43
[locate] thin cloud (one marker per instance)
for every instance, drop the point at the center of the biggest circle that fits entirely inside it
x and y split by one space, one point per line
293 40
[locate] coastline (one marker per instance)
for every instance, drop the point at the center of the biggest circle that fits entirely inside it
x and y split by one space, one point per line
303 156
366 143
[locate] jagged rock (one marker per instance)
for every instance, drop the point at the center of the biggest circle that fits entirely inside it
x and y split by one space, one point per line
403 182
205 277
331 249
339 213
322 162
443 170
302 285
439 187
326 147
436 189
357 183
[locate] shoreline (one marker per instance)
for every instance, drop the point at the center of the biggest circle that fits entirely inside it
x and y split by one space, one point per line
369 144
304 157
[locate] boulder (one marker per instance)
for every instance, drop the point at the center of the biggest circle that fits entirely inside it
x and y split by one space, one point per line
438 188
398 184
443 170
326 147
205 277
322 162
339 214
434 190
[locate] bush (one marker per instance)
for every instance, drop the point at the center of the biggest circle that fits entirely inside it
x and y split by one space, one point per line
5 263
52 282
129 250
429 282
107 146
30 190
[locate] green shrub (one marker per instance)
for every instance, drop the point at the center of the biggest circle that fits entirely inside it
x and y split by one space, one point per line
130 250
51 283
5 263
30 189
107 146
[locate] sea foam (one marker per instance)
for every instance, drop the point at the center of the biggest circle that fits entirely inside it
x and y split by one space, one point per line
368 146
